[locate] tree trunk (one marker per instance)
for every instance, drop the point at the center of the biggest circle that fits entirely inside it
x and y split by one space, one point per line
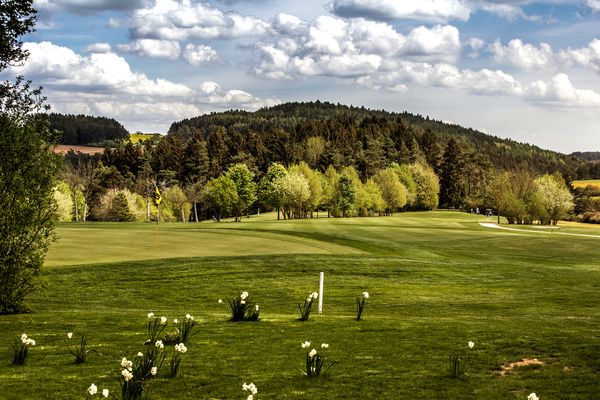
195 212
278 210
148 217
85 211
157 213
182 214
76 210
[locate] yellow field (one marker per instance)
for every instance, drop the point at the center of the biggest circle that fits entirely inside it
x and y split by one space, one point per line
584 183
141 137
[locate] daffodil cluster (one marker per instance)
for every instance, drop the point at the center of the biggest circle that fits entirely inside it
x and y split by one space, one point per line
315 359
242 308
306 308
21 349
251 387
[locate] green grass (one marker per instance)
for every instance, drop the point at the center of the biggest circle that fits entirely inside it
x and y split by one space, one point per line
436 280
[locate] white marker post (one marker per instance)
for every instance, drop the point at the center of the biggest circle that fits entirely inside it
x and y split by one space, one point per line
321 278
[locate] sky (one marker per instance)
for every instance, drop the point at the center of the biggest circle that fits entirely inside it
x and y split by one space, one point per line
522 69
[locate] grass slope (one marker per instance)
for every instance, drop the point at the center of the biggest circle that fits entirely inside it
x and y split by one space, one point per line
436 281
585 183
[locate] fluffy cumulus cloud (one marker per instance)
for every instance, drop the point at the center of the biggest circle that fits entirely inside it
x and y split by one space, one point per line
184 19
524 55
530 57
436 10
430 10
102 47
593 4
153 48
86 6
211 93
199 55
105 84
332 46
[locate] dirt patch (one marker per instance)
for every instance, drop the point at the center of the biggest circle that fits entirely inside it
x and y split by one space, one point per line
527 362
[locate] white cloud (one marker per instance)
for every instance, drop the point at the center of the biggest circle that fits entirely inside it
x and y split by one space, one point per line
428 10
153 48
99 48
475 45
593 4
335 47
182 20
560 90
198 55
113 23
212 93
86 6
524 55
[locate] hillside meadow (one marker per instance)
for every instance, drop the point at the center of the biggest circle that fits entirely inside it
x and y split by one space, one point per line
436 281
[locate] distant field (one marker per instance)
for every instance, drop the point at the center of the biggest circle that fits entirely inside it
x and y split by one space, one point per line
436 280
584 183
140 137
64 148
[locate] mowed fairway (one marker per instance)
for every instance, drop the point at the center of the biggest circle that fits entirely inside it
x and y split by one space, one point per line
436 280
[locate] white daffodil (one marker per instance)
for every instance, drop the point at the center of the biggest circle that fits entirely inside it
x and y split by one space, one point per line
242 301
314 295
305 345
105 393
180 348
159 344
471 344
127 375
175 321
30 342
324 346
24 337
312 353
93 389
151 315
533 396
366 295
244 295
220 301
140 354
189 317
70 335
256 307
163 320
154 371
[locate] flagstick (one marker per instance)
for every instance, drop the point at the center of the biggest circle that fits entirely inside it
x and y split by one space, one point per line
321 279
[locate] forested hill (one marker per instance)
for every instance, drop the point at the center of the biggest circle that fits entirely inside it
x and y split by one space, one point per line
338 135
592 156
86 130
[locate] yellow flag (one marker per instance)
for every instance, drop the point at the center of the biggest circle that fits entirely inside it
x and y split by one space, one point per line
157 196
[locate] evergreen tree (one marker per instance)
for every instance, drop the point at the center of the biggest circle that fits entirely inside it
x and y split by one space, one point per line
451 176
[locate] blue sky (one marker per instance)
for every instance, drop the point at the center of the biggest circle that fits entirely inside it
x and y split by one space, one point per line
528 70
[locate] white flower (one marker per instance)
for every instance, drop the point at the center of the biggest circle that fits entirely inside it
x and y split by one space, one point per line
24 337
175 321
366 295
314 295
309 299
180 348
471 344
324 346
305 345
256 307
242 301
189 317
250 388
105 393
124 362
154 371
312 353
533 396
163 320
127 375
159 344
92 389
151 315
30 342
70 335
244 295
250 397
220 301
140 354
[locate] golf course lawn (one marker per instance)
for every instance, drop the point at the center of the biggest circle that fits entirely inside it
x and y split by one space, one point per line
436 281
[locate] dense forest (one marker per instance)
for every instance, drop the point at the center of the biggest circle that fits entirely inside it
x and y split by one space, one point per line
365 139
300 158
593 156
87 130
